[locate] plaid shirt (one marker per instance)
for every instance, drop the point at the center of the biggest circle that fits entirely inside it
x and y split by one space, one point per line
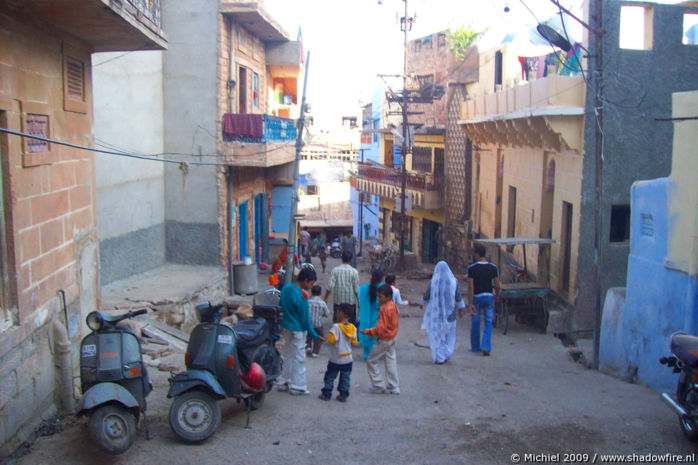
318 311
344 284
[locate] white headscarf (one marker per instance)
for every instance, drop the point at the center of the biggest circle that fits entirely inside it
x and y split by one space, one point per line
441 303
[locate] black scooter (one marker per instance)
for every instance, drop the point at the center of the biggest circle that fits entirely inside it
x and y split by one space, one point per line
240 362
114 381
684 360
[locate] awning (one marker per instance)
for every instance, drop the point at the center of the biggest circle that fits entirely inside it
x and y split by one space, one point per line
329 223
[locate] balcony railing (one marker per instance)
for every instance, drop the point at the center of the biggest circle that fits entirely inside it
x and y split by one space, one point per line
149 8
256 128
393 177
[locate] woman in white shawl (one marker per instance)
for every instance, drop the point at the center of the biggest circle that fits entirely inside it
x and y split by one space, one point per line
442 299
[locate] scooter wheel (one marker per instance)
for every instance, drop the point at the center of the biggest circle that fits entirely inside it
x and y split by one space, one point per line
195 416
112 428
689 428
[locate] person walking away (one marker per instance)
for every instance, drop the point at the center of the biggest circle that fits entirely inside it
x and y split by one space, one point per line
386 331
349 245
294 323
341 338
483 280
368 309
322 253
442 298
305 242
318 313
344 285
391 281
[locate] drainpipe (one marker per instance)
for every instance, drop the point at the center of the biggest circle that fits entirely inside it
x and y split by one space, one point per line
64 363
229 207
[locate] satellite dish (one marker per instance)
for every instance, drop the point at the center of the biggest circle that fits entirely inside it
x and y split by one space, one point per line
554 37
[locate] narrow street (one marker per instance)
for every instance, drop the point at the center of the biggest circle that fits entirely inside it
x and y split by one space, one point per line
528 397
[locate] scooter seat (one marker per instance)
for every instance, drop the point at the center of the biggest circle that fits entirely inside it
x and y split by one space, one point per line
685 347
251 333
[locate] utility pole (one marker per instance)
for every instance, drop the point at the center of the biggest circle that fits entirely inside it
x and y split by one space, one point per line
405 24
596 19
296 176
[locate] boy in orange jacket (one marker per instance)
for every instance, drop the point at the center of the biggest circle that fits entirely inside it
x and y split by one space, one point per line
384 349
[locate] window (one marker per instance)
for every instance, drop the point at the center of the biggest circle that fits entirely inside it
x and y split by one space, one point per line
620 223
417 46
242 90
36 121
690 29
376 126
498 69
421 159
255 91
550 177
427 42
442 40
74 81
312 190
636 27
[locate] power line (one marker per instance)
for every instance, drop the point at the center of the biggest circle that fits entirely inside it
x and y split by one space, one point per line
132 155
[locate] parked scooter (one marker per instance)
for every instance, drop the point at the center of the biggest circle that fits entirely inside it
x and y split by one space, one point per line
684 360
335 249
222 362
114 381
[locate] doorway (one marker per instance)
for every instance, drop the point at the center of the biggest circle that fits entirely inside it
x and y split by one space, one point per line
430 241
566 244
261 228
242 229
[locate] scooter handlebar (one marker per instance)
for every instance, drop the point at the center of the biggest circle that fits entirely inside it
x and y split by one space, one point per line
142 311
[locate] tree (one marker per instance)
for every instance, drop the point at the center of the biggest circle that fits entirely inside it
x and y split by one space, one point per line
461 39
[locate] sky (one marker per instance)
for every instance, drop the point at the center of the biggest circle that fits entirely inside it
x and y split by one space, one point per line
351 41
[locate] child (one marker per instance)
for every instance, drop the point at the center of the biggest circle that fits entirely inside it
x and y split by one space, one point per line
386 331
294 323
318 312
390 280
323 257
342 338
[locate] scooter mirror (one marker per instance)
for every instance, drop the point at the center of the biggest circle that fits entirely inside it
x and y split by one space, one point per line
94 321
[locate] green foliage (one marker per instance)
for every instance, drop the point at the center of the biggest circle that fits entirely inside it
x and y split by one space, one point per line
461 39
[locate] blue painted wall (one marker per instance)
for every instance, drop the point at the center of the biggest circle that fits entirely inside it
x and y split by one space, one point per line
371 152
659 300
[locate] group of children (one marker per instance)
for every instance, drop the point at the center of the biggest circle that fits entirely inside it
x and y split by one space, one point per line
301 315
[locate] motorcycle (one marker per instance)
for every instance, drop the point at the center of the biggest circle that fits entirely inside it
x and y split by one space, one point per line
114 381
335 249
684 361
223 362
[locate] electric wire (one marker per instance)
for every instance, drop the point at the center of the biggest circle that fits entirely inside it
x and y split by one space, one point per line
132 155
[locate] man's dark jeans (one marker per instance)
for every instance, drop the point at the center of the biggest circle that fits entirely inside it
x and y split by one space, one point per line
344 371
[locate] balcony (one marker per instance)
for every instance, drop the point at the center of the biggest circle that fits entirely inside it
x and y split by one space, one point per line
255 19
258 140
546 112
386 182
108 25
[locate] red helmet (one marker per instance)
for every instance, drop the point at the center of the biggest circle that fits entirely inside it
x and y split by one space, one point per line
255 378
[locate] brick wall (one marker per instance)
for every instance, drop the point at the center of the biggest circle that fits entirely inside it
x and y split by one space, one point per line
49 204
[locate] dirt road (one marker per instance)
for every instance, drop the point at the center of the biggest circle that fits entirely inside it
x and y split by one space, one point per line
528 397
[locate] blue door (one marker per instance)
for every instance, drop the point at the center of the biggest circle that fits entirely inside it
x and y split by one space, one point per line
261 227
242 229
281 208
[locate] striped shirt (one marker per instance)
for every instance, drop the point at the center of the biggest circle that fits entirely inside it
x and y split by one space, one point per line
344 284
318 311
